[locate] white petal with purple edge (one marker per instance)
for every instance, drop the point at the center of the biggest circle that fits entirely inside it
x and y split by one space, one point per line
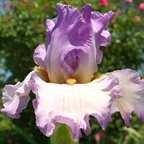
132 91
72 104
15 98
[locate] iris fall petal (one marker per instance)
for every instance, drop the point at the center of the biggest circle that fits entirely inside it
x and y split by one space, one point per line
15 98
72 104
132 91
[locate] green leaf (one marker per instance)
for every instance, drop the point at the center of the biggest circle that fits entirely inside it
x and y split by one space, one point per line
62 135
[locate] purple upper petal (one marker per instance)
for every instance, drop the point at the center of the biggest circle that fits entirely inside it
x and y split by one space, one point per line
100 21
50 25
39 56
102 35
105 38
73 43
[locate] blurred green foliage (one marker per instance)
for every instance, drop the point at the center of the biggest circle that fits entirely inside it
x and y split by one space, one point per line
22 29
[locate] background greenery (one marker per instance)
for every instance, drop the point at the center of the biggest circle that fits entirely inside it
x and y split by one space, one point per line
22 29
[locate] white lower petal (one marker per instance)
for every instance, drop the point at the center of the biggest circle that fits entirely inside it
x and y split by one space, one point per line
15 98
72 104
132 90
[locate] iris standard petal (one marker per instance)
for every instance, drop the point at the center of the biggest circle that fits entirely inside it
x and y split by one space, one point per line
132 90
72 48
70 40
105 38
102 35
49 27
100 21
39 56
15 98
72 104
50 24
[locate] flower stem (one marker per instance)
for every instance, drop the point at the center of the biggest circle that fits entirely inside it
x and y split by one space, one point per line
62 135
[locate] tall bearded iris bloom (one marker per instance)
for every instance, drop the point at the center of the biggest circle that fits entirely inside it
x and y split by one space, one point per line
67 92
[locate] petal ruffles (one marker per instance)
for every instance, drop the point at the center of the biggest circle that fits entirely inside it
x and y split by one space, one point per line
132 91
15 98
72 104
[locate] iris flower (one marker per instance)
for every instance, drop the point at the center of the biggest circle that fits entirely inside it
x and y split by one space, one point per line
66 89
